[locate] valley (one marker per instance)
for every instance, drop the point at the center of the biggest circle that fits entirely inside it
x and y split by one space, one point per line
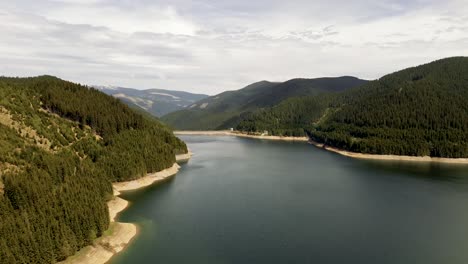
232 132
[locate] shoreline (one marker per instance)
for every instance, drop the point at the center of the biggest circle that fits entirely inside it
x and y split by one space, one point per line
120 235
145 181
114 240
342 152
184 158
358 155
239 134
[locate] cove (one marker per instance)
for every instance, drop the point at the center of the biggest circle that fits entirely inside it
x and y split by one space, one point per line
241 200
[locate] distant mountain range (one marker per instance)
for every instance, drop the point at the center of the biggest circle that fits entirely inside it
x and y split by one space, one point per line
157 102
226 109
62 144
419 111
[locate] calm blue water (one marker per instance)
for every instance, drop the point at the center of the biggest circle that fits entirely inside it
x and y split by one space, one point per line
251 201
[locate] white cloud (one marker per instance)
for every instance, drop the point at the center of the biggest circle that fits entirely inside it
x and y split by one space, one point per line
135 19
206 46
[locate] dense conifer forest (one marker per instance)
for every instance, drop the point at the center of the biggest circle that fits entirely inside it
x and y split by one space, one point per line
291 117
420 111
227 109
61 146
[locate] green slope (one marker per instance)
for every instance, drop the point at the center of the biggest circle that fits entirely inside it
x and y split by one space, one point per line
226 109
292 117
420 111
61 146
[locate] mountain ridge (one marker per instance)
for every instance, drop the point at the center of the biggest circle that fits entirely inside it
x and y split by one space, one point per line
418 111
224 110
157 102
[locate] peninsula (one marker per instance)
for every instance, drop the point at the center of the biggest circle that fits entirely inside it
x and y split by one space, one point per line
119 235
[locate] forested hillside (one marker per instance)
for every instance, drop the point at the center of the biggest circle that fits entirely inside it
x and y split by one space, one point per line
227 109
420 111
212 112
61 146
292 117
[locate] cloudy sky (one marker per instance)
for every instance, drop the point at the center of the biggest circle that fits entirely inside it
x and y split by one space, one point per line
210 46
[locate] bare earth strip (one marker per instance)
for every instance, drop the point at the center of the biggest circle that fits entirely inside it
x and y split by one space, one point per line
119 234
389 157
145 181
183 158
113 241
6 119
332 149
239 134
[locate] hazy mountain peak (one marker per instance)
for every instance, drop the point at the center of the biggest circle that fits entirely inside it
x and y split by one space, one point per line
158 102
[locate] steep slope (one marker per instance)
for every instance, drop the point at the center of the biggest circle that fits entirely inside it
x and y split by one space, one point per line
61 146
420 111
226 109
157 102
302 87
292 117
212 112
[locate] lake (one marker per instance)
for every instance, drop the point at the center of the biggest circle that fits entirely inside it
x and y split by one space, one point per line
242 200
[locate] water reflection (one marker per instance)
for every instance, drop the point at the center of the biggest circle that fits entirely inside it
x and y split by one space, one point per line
424 170
249 201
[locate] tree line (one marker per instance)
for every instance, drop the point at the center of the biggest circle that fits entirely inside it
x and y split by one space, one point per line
420 111
54 202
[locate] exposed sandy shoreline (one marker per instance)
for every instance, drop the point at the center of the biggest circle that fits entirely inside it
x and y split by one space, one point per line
119 235
114 240
332 149
183 158
145 181
389 157
239 134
